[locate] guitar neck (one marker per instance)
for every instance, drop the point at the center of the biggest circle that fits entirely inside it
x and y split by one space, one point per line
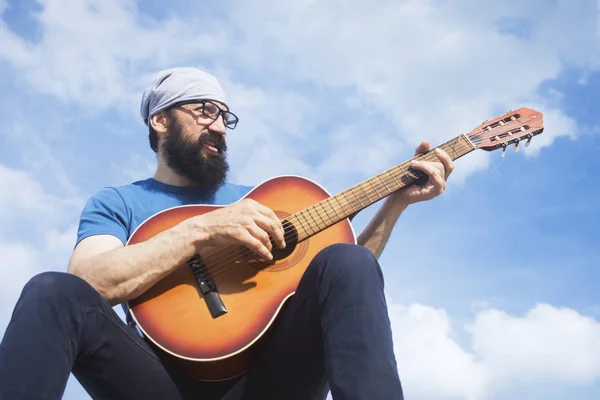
334 209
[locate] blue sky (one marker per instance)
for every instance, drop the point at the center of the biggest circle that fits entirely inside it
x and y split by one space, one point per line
492 286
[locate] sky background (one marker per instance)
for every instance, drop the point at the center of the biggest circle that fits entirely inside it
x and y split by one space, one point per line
492 287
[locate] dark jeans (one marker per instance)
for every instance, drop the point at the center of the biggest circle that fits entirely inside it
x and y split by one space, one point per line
335 334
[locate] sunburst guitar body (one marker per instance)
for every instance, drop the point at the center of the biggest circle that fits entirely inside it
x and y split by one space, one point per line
174 315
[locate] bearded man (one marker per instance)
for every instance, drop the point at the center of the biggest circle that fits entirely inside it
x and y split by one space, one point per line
334 335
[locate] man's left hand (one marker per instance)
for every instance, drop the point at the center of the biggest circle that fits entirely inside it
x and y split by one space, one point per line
437 172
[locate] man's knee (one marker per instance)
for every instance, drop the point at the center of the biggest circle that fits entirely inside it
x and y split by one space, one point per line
350 263
346 252
52 287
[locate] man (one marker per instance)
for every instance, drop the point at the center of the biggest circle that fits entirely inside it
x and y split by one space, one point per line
334 335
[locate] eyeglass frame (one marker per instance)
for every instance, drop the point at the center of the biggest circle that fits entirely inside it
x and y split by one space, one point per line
221 112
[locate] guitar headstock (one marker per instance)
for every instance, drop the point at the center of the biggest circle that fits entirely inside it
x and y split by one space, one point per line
507 129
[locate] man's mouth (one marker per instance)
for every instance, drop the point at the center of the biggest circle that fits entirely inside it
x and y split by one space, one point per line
211 148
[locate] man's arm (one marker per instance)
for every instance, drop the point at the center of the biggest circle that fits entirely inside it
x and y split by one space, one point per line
378 230
121 273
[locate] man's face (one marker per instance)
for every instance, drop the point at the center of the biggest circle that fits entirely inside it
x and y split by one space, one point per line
195 145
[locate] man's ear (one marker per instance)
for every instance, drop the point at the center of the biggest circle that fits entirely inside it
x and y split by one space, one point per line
159 122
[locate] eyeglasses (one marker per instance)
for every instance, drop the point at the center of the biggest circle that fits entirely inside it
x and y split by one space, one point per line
212 111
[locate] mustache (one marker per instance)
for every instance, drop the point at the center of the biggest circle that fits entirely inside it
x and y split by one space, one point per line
213 139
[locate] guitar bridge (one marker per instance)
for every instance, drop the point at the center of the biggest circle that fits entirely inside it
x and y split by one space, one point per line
209 291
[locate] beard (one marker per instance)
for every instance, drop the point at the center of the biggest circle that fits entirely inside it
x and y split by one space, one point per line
190 158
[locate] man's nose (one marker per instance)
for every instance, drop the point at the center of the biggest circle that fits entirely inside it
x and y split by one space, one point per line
218 126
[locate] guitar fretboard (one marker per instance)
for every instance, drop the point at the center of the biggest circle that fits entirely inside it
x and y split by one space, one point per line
334 209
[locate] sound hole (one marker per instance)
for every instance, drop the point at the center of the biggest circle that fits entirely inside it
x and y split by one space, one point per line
284 258
291 241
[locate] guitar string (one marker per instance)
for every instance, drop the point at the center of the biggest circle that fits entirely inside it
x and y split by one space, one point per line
234 252
241 251
211 257
225 269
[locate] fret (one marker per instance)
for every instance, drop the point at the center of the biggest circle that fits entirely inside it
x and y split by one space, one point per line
315 211
361 203
333 208
370 181
302 228
310 213
394 178
349 202
304 216
324 210
297 218
365 192
404 172
342 207
453 149
470 144
384 184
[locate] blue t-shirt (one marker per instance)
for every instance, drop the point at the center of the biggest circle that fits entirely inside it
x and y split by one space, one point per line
119 210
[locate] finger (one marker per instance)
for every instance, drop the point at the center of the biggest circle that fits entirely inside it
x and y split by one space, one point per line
422 148
446 161
272 227
243 236
254 208
434 172
276 227
258 240
261 234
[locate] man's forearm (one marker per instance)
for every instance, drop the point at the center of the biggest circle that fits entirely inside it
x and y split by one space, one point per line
377 232
125 273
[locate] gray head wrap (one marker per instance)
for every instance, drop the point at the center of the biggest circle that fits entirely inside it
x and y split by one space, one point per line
179 84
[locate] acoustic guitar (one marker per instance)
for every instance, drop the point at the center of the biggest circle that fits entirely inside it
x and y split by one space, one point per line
213 316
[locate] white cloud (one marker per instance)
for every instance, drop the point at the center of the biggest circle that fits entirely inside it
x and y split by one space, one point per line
431 364
359 151
92 53
19 260
33 140
136 167
557 125
23 258
433 69
272 125
436 68
37 233
26 206
546 345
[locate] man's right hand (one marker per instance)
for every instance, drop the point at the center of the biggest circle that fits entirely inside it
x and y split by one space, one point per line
246 222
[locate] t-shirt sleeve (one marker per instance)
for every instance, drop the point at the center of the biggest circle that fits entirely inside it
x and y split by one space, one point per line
104 214
243 190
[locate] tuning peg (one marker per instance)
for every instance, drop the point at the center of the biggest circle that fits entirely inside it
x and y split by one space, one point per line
516 147
527 142
503 151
